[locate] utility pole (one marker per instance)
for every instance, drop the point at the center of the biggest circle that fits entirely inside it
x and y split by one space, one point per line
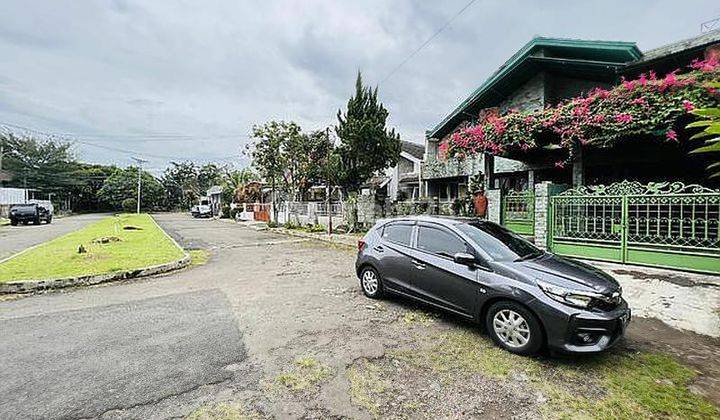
328 191
139 187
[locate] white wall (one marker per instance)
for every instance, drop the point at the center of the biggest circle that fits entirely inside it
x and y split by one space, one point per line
12 195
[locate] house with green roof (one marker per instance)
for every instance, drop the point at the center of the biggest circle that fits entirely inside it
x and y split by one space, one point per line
583 148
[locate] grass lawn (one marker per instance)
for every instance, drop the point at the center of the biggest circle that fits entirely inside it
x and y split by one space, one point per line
126 250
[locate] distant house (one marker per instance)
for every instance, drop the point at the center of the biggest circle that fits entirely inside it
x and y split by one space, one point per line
404 178
402 181
10 196
214 195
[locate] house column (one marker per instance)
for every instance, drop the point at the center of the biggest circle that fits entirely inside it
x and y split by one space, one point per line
531 180
494 209
489 169
543 192
578 168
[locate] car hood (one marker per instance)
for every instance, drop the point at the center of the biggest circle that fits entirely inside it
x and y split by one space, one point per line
565 273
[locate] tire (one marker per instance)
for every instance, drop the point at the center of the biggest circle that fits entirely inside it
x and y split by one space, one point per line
371 283
13 222
25 222
525 335
49 220
36 221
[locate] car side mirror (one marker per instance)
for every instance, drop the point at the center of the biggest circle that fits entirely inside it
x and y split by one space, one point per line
465 259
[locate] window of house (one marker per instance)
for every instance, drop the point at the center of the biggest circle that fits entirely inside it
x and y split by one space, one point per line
439 241
398 233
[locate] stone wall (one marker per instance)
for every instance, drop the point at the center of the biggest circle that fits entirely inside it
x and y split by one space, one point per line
529 97
494 202
543 192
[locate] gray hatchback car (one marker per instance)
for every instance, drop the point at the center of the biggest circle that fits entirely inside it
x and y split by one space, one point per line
526 298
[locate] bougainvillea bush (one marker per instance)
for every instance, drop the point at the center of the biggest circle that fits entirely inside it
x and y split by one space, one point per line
648 105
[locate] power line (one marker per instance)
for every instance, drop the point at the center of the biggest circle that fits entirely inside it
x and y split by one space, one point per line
424 44
10 126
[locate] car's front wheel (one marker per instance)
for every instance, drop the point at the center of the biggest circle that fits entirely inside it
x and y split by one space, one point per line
514 328
371 283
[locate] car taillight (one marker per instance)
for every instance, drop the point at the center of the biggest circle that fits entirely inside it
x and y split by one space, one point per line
361 245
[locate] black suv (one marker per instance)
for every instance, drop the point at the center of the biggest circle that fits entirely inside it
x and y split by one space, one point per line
525 297
26 213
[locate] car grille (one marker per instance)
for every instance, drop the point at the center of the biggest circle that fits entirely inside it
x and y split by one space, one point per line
608 303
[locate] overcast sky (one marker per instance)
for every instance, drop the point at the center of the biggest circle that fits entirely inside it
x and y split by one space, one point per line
188 79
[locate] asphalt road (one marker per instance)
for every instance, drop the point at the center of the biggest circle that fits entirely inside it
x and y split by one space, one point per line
14 239
148 348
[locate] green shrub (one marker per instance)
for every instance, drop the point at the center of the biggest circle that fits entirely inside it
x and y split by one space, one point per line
272 224
129 205
291 225
316 228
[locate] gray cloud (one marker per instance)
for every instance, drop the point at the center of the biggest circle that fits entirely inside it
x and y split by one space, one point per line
118 72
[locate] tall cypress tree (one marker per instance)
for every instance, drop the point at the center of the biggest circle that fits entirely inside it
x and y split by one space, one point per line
366 145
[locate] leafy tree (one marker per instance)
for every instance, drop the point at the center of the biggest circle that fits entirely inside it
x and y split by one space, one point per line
122 184
40 164
49 167
366 145
267 151
711 133
185 182
90 179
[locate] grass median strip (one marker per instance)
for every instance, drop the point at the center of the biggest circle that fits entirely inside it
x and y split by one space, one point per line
116 243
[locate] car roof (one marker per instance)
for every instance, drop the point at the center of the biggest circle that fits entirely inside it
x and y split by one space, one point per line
443 220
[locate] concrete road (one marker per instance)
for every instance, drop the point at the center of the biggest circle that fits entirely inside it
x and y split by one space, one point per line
271 326
14 239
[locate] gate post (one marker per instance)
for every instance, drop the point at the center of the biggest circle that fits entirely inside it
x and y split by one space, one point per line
494 210
543 192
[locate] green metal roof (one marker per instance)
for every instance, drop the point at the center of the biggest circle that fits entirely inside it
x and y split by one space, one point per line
541 51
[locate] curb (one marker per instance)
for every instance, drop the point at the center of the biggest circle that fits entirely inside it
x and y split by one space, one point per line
39 285
31 286
333 239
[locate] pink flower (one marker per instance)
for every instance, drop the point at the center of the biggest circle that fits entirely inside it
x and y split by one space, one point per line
709 64
642 81
689 106
671 135
623 118
629 85
599 118
559 164
638 101
529 119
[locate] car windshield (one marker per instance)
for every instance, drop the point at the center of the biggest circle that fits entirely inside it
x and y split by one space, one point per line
24 206
500 243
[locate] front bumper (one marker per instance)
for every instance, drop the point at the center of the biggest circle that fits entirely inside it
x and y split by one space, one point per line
24 217
573 330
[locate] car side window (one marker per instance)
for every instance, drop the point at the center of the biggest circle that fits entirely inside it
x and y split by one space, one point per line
440 242
399 233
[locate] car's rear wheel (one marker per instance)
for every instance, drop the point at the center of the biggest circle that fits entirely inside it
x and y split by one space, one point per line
49 220
371 283
514 328
13 222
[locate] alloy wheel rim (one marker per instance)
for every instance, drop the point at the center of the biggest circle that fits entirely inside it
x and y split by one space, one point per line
511 328
370 282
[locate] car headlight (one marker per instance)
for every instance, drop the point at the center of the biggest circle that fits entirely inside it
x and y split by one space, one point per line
570 297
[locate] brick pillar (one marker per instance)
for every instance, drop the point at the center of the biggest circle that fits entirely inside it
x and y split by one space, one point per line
543 192
494 198
312 214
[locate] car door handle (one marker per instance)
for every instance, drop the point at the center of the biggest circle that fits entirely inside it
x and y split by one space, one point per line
379 248
418 265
